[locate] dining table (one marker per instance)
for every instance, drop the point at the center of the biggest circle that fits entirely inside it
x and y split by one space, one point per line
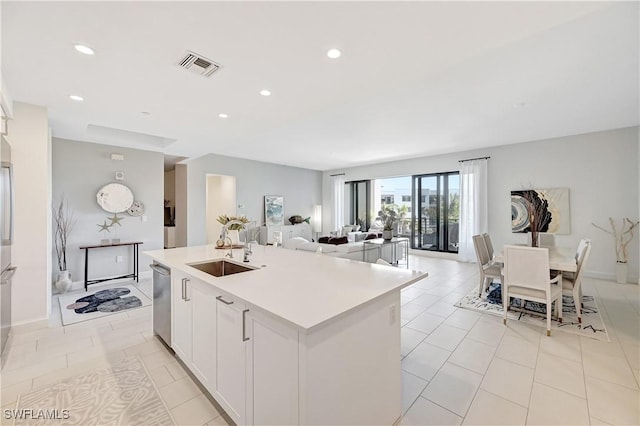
560 258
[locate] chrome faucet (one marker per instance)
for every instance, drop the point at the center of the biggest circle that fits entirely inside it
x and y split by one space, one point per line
225 237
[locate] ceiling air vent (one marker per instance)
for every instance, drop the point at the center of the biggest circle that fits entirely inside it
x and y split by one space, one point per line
198 64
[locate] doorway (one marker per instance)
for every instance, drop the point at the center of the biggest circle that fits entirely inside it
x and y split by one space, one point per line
220 200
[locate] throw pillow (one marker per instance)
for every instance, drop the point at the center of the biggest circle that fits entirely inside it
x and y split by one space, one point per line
371 236
338 240
345 230
324 240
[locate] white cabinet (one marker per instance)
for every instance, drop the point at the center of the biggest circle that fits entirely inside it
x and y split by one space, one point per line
272 371
204 333
230 385
288 231
169 236
193 326
181 318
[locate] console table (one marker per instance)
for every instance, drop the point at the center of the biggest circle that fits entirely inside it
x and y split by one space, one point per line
393 244
134 252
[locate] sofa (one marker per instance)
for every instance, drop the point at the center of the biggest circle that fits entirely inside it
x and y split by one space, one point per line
342 248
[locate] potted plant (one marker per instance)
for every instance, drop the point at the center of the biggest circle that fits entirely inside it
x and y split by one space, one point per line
387 216
63 224
622 239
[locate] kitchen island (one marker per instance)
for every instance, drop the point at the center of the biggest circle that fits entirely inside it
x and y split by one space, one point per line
300 338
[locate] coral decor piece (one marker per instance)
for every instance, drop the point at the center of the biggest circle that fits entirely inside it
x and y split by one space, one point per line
622 238
63 222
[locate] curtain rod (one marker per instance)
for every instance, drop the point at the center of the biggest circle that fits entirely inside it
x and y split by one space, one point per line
338 174
471 159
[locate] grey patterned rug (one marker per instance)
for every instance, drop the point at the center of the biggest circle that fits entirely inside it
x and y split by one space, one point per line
122 394
101 301
592 324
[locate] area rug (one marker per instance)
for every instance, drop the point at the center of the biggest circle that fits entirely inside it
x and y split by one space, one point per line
122 394
100 302
592 324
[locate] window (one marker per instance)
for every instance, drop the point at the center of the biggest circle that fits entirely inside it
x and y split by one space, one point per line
386 199
406 198
360 204
437 215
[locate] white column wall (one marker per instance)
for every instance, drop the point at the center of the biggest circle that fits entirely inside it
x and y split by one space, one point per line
31 250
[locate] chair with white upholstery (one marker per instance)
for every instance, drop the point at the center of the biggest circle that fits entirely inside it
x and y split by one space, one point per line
489 244
526 276
572 284
488 270
544 239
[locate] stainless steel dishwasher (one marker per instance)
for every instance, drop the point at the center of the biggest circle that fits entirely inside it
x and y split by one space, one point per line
162 302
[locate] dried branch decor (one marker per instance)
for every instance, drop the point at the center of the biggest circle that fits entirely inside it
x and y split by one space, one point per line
622 237
63 221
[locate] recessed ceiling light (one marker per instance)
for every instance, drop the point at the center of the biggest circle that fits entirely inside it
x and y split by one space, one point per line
147 113
222 115
76 98
84 49
519 104
334 53
265 92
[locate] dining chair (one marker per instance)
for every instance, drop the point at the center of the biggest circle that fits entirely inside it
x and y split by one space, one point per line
526 276
572 284
488 270
544 239
489 244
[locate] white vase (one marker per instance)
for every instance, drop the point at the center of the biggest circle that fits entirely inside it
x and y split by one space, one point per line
387 235
621 272
64 281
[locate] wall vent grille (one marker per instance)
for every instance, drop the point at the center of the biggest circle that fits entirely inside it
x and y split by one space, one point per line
198 64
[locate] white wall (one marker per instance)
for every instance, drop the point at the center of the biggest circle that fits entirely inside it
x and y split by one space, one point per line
31 251
181 205
80 169
600 169
301 189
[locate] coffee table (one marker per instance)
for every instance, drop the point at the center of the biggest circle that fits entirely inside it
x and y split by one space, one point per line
399 245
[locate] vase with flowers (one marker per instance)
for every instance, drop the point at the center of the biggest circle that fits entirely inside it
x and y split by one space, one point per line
63 222
223 219
622 239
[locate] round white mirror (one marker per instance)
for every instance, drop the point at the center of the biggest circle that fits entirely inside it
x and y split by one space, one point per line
114 198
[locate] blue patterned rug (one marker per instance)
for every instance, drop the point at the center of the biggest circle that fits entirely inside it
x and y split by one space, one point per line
82 306
491 303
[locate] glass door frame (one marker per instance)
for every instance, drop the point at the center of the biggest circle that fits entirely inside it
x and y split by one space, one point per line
442 204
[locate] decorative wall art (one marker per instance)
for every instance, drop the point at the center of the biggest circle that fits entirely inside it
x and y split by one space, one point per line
274 210
551 207
114 198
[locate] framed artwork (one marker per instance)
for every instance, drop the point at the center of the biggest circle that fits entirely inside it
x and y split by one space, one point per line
274 210
552 205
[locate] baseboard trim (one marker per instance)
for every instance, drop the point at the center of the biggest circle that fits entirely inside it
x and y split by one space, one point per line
609 277
79 285
434 254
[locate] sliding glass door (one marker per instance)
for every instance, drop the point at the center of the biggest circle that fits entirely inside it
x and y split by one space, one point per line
436 212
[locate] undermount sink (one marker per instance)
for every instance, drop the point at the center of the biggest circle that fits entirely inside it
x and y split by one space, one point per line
220 268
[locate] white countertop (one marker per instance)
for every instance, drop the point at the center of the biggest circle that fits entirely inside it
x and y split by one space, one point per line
305 289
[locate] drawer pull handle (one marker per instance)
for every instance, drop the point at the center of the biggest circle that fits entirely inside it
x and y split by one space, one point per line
244 321
224 301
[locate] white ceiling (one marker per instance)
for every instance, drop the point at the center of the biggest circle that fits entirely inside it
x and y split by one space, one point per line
415 78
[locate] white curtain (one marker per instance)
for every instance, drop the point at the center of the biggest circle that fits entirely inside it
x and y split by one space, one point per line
337 213
473 206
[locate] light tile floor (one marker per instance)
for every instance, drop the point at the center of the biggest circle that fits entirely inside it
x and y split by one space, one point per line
459 366
38 356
